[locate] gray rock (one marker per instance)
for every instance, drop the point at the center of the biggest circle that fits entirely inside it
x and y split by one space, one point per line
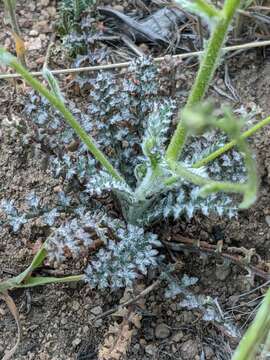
150 349
189 350
162 331
96 310
223 271
178 336
75 305
76 342
267 219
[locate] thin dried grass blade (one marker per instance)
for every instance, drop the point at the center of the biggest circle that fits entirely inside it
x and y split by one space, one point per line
13 309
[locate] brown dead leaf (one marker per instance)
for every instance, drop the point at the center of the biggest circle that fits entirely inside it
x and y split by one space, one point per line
116 342
119 336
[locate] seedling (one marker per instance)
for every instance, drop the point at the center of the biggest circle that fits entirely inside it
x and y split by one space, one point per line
167 180
162 169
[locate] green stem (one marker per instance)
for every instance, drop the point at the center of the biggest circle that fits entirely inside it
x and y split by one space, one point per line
231 144
231 127
149 184
205 74
20 49
256 333
10 6
10 60
207 8
209 186
183 173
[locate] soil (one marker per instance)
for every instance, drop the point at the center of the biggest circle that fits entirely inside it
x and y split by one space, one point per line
58 321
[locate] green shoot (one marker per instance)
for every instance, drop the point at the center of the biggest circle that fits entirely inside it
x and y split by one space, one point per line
257 334
10 6
205 74
196 120
232 143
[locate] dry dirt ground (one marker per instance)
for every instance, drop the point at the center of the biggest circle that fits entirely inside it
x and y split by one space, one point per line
58 321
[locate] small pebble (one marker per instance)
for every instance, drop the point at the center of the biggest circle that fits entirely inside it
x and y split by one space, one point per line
96 310
76 305
150 349
189 350
223 271
178 336
173 307
44 3
136 347
33 33
208 352
76 342
118 8
162 331
63 321
267 219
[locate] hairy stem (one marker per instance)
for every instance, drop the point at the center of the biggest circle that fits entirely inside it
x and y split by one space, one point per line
183 173
10 6
232 128
10 60
207 8
205 74
232 143
256 334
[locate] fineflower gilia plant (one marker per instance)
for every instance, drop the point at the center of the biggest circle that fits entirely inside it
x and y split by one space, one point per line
151 176
149 172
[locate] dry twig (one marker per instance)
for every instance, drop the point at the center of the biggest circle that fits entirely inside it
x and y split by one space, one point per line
243 47
239 256
130 301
